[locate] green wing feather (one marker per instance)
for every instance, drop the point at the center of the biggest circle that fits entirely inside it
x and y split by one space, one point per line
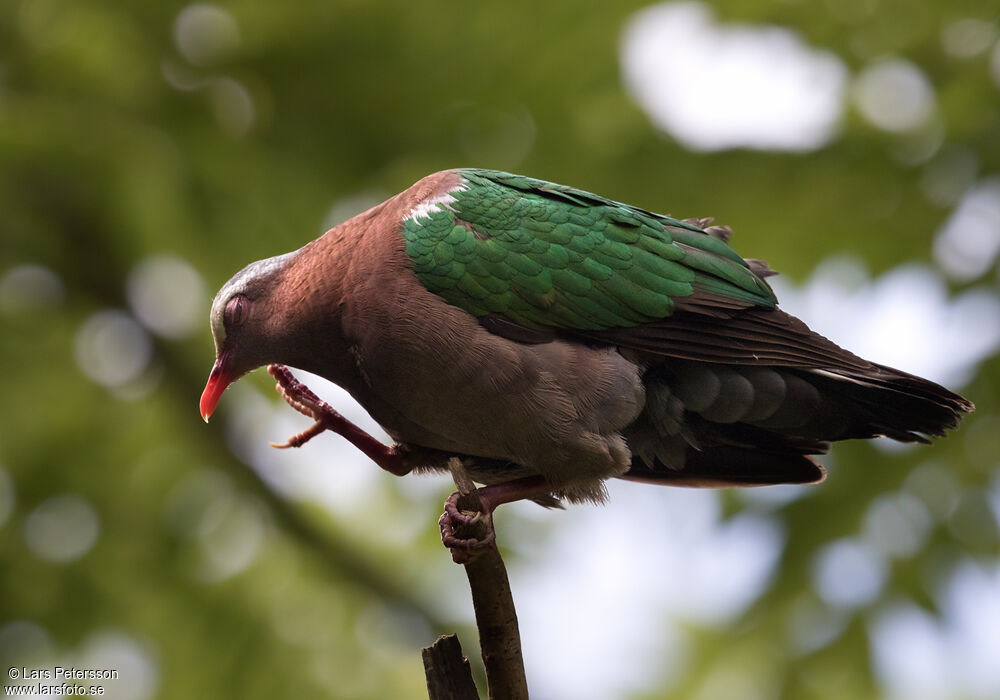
549 256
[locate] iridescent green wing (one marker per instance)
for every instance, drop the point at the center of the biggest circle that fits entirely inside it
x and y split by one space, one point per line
546 256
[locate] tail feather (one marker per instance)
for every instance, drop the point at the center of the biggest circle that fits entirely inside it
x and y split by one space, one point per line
731 465
708 424
889 402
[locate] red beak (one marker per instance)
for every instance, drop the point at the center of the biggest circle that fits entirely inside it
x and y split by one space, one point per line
218 380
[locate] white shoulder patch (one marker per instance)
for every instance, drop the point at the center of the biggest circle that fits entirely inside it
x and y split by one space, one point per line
435 203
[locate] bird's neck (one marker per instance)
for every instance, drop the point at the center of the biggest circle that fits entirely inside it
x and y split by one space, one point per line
352 276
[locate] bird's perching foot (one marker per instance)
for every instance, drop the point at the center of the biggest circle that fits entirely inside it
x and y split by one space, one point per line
463 531
391 458
467 522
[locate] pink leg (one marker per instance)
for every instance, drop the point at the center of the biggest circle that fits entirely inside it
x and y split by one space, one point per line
299 397
458 521
515 490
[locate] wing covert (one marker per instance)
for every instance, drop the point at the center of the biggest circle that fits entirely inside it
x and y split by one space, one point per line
544 255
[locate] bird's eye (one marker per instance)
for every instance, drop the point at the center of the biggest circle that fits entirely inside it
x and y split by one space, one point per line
236 311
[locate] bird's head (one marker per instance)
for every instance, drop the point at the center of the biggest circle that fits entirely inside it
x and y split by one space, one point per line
243 326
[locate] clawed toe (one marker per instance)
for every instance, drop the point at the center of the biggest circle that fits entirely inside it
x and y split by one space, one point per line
298 395
299 439
465 532
302 399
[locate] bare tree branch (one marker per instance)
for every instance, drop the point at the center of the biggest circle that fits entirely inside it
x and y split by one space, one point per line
449 676
496 616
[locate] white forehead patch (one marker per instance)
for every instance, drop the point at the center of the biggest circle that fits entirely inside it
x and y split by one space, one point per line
436 203
238 285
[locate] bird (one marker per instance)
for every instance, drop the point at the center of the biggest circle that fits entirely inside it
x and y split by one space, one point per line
555 339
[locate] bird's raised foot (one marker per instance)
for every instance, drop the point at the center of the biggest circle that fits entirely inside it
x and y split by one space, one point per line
297 395
302 399
465 532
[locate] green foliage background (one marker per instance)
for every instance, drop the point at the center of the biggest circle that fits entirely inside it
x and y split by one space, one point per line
104 162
